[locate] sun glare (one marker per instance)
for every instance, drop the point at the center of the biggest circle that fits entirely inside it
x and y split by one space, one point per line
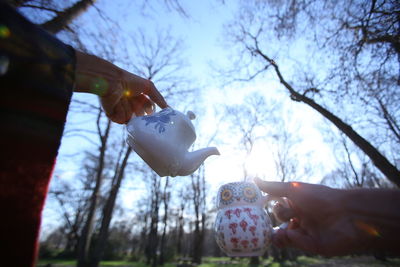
260 162
234 164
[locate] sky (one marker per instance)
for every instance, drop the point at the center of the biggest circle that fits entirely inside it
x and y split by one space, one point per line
203 35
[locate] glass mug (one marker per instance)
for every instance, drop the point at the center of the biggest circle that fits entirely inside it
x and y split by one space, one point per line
242 226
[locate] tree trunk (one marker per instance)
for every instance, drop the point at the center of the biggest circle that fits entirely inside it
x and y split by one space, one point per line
203 214
73 236
62 20
180 229
107 212
152 240
165 219
197 243
143 235
380 161
87 231
197 201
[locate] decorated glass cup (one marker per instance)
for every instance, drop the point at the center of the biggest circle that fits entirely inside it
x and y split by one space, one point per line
242 226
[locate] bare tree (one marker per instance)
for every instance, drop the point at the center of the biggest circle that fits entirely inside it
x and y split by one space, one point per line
72 204
65 17
197 197
87 231
287 166
250 123
62 16
152 240
109 206
170 5
141 228
181 220
166 197
354 167
73 221
251 34
159 57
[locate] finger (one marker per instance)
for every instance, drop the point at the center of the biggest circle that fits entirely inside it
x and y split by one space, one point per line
300 240
282 212
141 104
118 114
278 189
155 95
127 110
149 106
139 113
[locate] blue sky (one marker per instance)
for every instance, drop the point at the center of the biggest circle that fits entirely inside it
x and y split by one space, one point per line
203 33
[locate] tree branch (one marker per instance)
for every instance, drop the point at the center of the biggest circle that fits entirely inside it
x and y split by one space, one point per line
65 17
380 161
42 8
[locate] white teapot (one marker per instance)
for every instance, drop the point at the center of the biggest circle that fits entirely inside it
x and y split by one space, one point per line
162 140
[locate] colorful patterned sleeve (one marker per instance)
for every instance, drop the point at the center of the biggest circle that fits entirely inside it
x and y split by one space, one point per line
36 84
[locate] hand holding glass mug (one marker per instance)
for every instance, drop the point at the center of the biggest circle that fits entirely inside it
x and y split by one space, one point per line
335 222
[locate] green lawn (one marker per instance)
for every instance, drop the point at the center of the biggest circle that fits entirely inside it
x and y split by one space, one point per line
65 263
304 261
301 261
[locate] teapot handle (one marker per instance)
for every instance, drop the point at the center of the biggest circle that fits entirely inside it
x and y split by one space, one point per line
268 198
282 226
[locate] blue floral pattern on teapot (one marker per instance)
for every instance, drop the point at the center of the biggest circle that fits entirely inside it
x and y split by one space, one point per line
160 119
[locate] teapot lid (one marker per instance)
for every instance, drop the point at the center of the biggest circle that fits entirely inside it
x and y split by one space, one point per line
190 114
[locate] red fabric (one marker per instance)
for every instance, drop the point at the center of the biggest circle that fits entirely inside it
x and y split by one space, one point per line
24 179
35 91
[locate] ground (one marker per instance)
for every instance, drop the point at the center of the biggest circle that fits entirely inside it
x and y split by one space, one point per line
364 261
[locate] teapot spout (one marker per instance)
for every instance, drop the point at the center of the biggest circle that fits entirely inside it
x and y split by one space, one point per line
194 159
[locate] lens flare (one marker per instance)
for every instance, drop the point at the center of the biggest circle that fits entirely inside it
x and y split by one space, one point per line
127 93
367 228
295 184
99 86
4 31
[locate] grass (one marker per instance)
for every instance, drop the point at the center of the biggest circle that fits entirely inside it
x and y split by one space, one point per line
301 261
103 263
121 263
57 261
309 260
65 263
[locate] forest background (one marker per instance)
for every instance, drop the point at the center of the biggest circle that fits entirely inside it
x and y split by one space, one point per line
287 90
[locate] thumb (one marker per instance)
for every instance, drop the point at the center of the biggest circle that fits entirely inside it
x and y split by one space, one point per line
278 189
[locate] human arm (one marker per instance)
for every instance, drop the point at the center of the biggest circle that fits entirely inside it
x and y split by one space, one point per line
335 222
121 92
